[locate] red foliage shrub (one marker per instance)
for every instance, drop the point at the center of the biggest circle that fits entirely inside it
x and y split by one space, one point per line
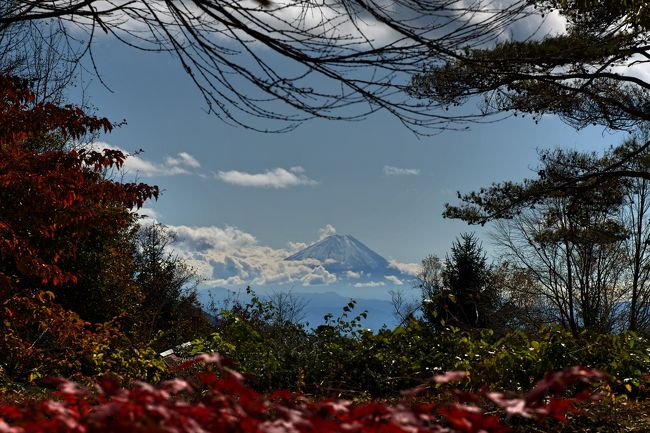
219 401
51 196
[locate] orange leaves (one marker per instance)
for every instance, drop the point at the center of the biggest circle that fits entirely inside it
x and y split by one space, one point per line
44 296
39 336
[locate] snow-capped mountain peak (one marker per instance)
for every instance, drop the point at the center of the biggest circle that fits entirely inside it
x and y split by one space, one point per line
344 253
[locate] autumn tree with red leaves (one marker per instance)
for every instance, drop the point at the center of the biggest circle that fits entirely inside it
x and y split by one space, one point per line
53 199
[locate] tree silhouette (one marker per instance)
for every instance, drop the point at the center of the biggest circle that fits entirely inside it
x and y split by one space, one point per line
585 244
466 296
285 61
169 298
585 76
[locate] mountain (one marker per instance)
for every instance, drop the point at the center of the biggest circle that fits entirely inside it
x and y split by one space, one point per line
347 257
361 274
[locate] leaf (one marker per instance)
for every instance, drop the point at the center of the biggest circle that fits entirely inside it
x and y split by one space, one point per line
450 376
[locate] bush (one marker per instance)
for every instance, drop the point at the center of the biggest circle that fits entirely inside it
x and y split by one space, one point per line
39 338
343 360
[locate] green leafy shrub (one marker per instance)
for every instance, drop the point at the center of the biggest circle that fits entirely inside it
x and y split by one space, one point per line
340 358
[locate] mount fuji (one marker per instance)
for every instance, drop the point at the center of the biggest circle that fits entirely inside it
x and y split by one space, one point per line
348 258
361 274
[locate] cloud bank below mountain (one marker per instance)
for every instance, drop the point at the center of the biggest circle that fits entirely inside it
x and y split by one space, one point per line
230 257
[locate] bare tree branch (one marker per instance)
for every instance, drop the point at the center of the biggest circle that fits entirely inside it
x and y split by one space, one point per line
289 61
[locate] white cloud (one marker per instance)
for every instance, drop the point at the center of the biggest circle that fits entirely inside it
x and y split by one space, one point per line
319 276
212 238
532 26
538 26
397 171
231 257
275 178
322 19
352 274
326 231
182 159
406 268
135 165
635 67
393 279
296 246
370 284
148 213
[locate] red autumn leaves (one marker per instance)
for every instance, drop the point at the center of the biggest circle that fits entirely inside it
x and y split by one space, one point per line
218 400
53 195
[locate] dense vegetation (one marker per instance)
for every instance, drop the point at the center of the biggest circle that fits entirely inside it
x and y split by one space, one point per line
219 401
342 359
84 289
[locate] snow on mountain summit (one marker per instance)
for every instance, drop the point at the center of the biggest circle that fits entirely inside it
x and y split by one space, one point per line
342 253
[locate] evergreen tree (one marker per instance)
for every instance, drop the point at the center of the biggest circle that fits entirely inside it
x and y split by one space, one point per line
584 75
467 297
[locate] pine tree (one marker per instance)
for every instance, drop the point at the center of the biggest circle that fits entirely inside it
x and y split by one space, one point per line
467 298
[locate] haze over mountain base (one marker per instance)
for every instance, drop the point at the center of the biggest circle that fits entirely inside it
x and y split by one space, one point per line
317 305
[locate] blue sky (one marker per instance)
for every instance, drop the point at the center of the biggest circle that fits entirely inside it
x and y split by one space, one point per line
240 200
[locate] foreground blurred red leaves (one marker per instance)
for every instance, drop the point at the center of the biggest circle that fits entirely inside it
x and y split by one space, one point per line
217 400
